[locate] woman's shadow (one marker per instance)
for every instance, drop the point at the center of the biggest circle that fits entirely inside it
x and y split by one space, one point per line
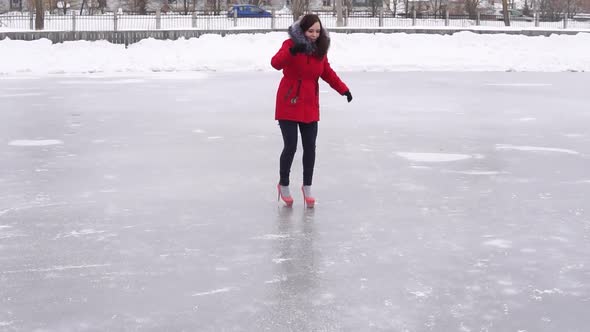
296 272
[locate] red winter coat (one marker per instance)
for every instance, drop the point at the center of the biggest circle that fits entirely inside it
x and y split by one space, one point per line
298 93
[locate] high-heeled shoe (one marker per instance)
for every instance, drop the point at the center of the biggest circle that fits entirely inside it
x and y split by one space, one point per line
309 200
284 194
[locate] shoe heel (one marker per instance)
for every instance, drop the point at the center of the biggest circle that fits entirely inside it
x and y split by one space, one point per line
288 200
309 201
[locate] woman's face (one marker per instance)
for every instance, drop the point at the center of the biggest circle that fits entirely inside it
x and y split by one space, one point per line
313 32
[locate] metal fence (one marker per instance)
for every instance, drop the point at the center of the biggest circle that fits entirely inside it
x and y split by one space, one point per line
195 20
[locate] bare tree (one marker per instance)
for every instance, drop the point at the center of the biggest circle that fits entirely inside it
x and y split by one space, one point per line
348 5
549 10
437 7
471 8
298 8
526 10
394 3
142 7
376 6
39 14
571 7
213 6
102 4
505 12
387 4
554 10
339 21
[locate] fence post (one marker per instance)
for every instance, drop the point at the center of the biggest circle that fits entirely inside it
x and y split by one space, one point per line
413 16
447 18
73 21
194 20
565 20
381 17
272 19
235 18
478 20
536 19
158 19
32 19
115 21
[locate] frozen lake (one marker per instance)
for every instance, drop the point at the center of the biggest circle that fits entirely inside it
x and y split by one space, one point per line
445 202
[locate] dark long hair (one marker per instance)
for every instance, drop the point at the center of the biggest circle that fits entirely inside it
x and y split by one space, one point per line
323 42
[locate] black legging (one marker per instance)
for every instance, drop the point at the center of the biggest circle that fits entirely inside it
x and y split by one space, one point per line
309 132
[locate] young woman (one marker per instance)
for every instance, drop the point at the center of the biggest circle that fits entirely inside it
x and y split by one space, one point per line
303 60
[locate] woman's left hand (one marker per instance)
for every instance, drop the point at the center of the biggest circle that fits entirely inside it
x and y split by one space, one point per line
348 96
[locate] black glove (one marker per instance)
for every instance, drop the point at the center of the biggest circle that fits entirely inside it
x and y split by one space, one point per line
297 48
348 96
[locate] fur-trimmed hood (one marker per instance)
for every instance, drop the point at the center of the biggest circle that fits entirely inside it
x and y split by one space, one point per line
298 36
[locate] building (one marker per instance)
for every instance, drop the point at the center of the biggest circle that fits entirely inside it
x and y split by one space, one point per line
11 5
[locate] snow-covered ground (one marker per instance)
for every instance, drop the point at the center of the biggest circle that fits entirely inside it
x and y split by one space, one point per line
463 51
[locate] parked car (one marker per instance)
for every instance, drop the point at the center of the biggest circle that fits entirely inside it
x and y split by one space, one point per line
582 17
247 11
515 15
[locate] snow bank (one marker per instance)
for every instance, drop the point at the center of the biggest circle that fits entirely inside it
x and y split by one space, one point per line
464 51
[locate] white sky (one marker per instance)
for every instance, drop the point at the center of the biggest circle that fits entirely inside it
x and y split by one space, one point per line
464 51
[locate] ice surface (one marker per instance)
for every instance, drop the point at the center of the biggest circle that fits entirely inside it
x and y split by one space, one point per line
157 210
